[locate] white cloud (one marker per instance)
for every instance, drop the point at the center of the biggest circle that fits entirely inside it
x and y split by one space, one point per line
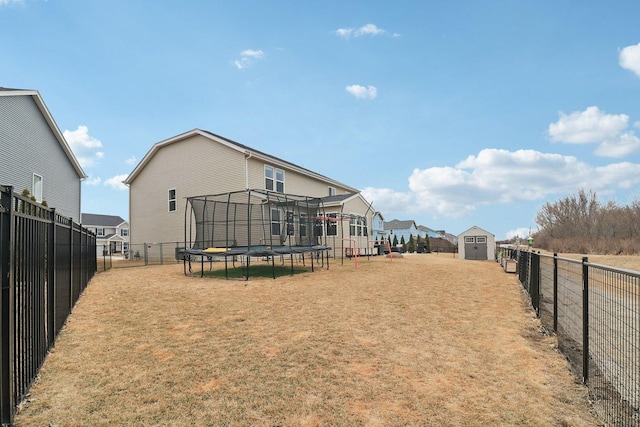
84 146
343 32
10 2
369 29
369 92
93 181
518 232
629 58
131 160
247 57
595 126
588 126
116 182
494 177
365 30
623 145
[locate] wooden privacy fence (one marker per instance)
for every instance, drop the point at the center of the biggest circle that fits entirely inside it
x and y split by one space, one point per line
595 311
46 261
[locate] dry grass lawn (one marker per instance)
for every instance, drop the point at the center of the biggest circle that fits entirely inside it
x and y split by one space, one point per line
420 341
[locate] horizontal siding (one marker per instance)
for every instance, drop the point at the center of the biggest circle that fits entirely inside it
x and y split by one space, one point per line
28 146
196 166
295 182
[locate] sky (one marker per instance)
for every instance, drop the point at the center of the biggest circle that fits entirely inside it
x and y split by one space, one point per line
451 113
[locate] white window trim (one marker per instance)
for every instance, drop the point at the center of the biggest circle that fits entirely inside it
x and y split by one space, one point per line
274 178
332 191
34 191
174 200
274 221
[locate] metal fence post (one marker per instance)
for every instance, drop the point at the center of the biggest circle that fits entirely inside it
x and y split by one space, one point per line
51 280
6 306
585 321
534 282
555 292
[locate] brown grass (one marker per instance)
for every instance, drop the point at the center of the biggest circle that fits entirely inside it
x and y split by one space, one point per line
423 340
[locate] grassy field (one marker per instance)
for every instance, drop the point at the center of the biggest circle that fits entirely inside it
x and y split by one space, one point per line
423 340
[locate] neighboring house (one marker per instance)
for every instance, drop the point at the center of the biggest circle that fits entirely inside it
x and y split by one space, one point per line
477 244
200 163
353 216
34 154
433 234
403 228
450 237
377 227
112 233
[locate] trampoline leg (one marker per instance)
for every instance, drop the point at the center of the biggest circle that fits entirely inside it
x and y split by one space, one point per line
273 266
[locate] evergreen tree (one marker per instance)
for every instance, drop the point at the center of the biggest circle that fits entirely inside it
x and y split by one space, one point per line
411 246
404 244
395 240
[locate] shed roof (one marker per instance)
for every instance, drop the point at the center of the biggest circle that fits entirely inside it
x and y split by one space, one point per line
475 229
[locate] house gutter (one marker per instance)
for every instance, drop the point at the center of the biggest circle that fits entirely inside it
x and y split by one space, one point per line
247 156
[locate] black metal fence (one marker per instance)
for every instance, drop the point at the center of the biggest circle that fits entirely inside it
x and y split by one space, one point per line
138 255
595 311
46 261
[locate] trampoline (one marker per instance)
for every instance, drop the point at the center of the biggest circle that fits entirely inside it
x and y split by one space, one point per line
253 223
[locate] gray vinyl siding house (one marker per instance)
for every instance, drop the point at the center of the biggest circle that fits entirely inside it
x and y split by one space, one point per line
112 233
34 154
199 163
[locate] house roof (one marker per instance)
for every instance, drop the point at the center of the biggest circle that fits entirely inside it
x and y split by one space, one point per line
396 224
49 119
88 219
341 199
112 237
475 229
233 145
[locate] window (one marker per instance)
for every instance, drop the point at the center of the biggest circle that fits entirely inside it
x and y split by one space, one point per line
332 224
124 232
469 239
332 191
100 232
273 179
291 230
36 188
353 224
172 200
303 225
481 239
275 222
318 228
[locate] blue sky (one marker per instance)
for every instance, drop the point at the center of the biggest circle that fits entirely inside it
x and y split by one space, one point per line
451 113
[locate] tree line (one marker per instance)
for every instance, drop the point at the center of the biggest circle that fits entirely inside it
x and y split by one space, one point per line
579 223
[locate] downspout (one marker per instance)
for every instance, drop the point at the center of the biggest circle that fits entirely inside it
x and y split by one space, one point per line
247 156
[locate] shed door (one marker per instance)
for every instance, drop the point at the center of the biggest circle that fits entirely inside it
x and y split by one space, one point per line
475 247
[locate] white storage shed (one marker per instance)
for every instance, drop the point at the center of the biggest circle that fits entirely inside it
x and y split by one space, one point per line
477 244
